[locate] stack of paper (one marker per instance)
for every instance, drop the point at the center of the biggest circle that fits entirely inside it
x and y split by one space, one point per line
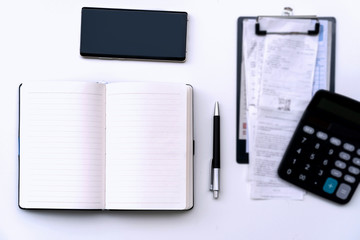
279 82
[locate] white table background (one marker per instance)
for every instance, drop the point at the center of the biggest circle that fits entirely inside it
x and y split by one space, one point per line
39 40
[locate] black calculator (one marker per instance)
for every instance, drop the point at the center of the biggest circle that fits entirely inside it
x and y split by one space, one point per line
323 156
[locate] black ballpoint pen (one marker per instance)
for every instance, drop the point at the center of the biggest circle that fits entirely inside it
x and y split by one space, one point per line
215 163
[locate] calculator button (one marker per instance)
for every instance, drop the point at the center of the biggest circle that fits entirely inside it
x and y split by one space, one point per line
308 129
354 170
358 152
349 147
343 191
325 162
322 135
330 185
302 177
336 173
344 156
340 164
335 141
356 161
349 178
331 152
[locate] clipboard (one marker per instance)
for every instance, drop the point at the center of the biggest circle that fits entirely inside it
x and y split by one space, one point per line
242 156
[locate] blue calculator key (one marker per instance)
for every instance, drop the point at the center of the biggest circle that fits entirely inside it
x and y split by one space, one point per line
330 185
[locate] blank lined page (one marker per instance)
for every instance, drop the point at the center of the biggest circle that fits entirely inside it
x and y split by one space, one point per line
146 127
62 145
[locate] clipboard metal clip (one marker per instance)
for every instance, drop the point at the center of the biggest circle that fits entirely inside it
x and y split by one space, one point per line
288 14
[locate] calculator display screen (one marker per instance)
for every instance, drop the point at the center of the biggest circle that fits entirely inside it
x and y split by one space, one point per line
339 110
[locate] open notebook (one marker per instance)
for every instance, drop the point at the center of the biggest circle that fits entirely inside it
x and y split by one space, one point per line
119 146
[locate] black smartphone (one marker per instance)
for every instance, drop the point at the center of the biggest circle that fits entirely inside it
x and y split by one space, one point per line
133 34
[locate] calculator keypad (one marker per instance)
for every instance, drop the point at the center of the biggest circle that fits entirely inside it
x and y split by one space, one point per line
322 163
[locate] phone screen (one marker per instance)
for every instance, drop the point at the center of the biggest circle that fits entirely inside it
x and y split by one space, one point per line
135 34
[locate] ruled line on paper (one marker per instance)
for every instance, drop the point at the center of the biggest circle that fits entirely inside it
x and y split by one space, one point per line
145 160
63 124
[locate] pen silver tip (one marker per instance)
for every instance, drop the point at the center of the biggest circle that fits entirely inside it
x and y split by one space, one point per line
216 111
216 194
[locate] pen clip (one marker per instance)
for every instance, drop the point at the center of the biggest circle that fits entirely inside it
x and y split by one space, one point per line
211 176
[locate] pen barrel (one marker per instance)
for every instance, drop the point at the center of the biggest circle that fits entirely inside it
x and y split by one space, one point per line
216 143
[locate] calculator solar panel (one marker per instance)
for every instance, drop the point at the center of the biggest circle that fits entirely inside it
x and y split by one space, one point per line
323 156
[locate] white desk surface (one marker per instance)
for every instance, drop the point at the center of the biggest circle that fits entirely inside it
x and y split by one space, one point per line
40 41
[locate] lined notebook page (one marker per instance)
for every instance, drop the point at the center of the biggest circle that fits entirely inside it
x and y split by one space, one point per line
62 145
146 146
